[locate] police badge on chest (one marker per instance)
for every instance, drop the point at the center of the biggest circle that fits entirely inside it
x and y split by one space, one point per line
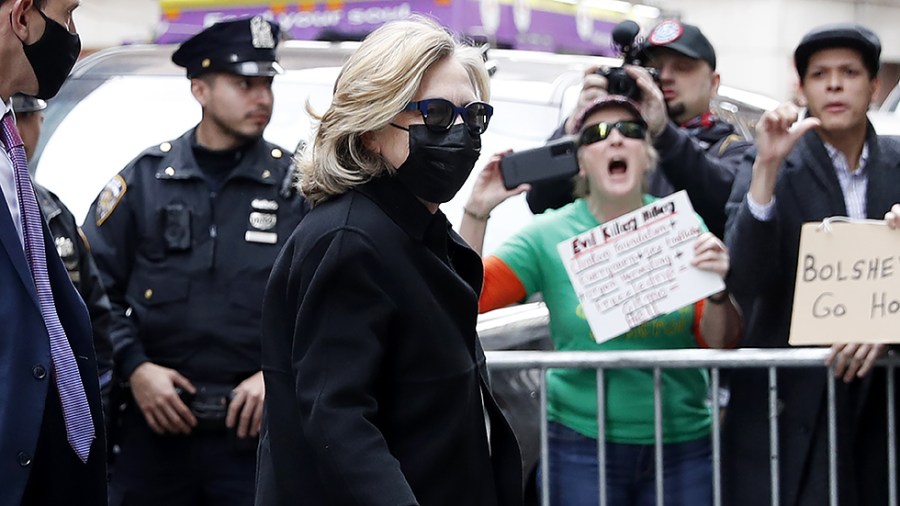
67 253
262 222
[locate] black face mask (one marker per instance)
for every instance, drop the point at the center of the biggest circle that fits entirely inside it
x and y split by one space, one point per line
52 57
439 162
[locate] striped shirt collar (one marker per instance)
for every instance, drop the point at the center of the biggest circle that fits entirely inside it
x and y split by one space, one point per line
839 160
854 184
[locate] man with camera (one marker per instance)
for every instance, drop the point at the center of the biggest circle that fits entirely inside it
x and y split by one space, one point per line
184 237
698 152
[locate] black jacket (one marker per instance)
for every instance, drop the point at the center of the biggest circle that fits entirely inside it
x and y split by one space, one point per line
699 160
76 257
185 262
374 373
763 269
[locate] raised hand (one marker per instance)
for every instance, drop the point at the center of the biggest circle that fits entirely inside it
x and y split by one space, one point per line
652 102
776 136
593 87
487 193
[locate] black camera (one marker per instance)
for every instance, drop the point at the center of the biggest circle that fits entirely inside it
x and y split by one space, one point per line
625 39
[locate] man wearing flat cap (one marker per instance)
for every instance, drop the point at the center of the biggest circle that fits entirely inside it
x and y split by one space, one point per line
831 163
185 236
698 151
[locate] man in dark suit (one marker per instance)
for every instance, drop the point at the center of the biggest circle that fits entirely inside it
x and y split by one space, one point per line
51 427
829 164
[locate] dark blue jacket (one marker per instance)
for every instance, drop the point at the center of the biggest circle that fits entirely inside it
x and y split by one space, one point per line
33 442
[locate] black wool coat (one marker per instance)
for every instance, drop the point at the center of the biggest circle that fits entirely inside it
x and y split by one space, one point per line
376 387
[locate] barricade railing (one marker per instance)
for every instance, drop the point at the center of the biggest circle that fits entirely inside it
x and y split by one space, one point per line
714 360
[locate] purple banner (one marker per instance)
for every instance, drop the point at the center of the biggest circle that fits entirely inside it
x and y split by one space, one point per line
516 26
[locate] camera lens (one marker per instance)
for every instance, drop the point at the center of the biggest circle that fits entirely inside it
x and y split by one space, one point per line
620 83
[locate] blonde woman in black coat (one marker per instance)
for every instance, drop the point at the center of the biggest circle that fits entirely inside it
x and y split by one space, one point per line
376 383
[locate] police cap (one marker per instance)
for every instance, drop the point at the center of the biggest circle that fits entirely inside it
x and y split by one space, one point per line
244 47
27 103
849 35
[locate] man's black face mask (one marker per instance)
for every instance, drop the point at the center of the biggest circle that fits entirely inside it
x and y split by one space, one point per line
52 56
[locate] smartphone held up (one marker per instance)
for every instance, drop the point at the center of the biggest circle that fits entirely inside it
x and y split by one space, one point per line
555 160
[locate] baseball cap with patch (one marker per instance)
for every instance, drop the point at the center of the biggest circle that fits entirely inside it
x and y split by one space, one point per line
682 38
605 103
848 35
244 47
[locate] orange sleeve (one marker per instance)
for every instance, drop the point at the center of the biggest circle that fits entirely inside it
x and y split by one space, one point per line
501 286
699 307
698 314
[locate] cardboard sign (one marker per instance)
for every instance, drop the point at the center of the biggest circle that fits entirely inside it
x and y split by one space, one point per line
848 285
637 267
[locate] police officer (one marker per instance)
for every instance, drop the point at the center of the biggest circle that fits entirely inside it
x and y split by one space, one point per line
185 236
698 151
70 244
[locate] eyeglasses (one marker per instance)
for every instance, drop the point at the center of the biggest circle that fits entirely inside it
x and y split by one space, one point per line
636 129
440 114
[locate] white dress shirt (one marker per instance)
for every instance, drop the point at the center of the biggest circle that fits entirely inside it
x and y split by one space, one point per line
8 185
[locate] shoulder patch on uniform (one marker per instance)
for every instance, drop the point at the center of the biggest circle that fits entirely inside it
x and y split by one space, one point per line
109 198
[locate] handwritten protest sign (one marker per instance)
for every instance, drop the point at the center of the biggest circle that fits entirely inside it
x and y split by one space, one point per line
637 267
848 285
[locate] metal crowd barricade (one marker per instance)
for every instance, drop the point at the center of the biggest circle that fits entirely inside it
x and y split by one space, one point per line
714 360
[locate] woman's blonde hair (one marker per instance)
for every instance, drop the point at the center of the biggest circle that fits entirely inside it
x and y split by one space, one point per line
375 84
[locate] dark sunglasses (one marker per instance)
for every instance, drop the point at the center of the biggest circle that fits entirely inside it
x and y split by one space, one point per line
440 114
635 129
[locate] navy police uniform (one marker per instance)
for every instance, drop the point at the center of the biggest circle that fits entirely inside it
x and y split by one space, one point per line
191 261
185 238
